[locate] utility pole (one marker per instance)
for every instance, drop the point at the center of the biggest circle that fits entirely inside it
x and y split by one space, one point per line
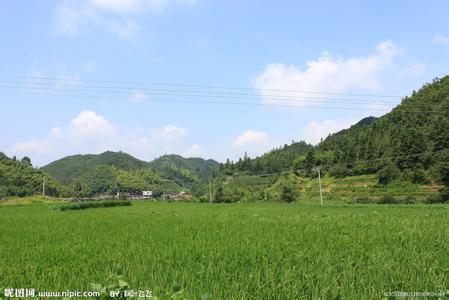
210 192
43 187
319 182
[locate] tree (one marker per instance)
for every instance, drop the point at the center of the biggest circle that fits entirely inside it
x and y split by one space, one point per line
388 174
219 196
26 160
443 169
288 193
309 161
411 145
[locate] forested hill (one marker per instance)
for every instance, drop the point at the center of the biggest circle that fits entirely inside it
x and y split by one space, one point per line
20 178
72 167
409 142
110 172
277 160
199 167
411 139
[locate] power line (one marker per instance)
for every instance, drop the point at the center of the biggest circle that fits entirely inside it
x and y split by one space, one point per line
214 102
198 86
283 98
189 93
96 97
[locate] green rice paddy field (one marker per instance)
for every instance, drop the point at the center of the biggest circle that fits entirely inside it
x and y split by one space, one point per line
229 251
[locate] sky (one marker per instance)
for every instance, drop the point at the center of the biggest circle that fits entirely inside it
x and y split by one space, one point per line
203 78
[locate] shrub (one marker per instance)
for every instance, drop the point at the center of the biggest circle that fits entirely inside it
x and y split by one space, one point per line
288 193
441 197
434 198
387 199
93 204
419 176
388 174
363 200
339 171
444 194
409 199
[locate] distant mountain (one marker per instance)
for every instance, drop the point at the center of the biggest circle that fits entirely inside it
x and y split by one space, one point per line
197 166
77 172
72 167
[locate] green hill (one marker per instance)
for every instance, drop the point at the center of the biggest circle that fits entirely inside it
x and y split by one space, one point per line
71 167
112 172
187 173
411 140
197 166
277 160
20 178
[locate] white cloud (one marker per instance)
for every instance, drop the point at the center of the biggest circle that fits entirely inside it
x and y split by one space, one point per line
249 137
315 131
251 142
170 132
194 151
89 132
440 39
135 6
117 5
71 19
115 16
90 126
327 73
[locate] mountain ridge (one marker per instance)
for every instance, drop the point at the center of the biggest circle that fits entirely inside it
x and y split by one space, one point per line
73 166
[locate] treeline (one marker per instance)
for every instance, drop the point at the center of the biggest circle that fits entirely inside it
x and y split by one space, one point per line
277 160
250 188
19 178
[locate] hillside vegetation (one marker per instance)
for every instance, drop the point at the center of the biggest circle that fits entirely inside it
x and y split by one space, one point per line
20 178
118 172
72 167
197 166
410 144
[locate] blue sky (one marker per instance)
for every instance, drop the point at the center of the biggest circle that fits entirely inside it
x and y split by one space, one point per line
346 47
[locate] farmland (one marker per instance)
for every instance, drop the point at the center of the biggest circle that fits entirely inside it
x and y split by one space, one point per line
228 251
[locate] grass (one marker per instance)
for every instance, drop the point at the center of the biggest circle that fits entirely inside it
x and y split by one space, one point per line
19 201
93 204
230 251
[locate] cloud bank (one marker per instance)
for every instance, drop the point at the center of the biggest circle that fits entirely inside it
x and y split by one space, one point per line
89 132
330 73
